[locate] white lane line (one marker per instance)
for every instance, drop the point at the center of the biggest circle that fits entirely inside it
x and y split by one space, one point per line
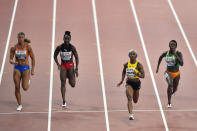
149 65
168 110
51 72
8 39
100 64
182 31
97 111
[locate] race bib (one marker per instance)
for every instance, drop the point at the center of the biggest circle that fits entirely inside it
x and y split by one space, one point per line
66 55
170 61
130 72
20 54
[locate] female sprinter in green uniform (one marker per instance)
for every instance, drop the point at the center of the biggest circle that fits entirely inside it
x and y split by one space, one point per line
173 59
66 50
22 50
134 70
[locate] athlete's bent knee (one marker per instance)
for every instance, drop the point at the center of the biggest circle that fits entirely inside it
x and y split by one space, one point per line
135 100
72 84
25 88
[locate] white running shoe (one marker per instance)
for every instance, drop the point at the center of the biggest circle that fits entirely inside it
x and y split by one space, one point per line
64 105
131 117
169 106
19 108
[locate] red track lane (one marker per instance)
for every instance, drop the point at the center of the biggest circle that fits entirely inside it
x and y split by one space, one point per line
159 27
188 19
87 95
118 34
35 20
6 9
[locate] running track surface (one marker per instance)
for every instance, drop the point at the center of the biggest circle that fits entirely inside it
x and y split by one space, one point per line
117 33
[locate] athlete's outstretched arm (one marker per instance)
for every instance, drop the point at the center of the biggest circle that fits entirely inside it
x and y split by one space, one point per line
141 70
76 60
159 61
123 74
33 61
76 57
12 52
179 57
57 50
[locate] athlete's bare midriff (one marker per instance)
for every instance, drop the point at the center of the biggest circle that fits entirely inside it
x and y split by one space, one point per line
23 62
172 69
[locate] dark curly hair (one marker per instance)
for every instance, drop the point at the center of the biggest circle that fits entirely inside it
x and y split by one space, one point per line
173 41
67 33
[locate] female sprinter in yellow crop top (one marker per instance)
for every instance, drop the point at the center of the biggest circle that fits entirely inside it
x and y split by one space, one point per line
134 70
173 60
22 50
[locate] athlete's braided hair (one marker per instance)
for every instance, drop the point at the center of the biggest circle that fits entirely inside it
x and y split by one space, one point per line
27 40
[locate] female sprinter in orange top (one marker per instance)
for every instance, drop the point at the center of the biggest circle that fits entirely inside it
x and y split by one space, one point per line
22 50
66 50
173 60
134 70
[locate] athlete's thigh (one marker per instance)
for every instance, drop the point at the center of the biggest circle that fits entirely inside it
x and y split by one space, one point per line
169 79
176 81
25 78
129 92
63 74
16 77
136 95
71 74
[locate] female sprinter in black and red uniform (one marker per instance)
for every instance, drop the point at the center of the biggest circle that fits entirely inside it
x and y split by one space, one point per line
134 70
173 60
22 50
66 50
